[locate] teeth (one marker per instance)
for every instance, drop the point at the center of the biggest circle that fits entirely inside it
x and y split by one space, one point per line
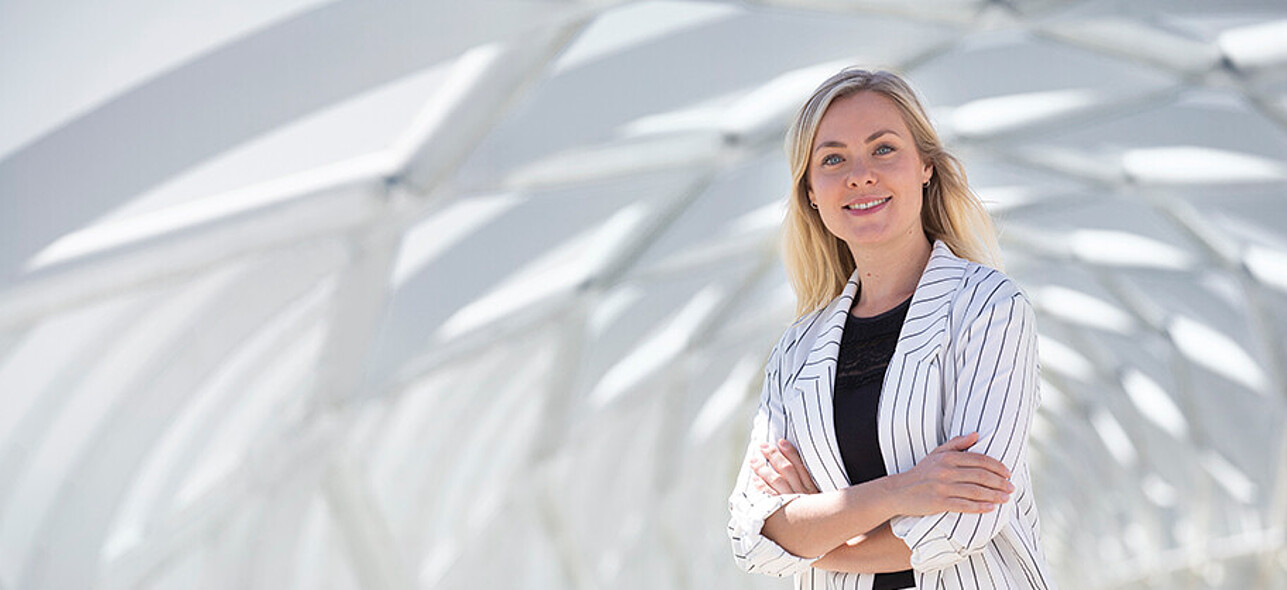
867 205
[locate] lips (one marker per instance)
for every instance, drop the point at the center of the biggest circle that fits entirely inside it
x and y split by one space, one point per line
865 205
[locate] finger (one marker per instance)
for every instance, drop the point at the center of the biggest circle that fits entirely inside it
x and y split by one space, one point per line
977 493
974 469
793 456
765 479
771 477
758 471
982 478
959 443
761 486
783 466
978 461
967 506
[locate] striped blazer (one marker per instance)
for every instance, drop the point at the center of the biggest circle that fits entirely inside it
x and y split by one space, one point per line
965 361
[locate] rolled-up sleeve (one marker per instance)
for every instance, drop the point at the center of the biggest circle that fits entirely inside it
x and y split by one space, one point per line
994 391
748 506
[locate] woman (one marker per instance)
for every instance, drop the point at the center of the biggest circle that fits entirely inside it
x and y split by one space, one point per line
909 381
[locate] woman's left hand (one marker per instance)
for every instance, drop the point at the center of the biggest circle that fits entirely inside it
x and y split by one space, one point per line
779 470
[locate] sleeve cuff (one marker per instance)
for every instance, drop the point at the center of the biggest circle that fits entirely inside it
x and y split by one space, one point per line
931 549
757 553
761 507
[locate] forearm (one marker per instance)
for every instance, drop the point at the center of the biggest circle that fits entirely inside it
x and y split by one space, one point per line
879 551
814 524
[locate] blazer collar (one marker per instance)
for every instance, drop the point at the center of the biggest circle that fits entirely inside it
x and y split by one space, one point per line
821 360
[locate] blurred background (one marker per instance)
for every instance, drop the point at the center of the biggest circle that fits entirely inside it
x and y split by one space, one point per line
397 295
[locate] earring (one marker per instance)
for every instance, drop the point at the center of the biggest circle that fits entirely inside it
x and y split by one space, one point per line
926 185
813 204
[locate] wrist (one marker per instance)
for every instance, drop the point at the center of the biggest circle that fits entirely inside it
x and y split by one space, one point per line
889 495
879 498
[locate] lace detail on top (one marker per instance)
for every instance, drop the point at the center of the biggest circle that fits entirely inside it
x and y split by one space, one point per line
867 345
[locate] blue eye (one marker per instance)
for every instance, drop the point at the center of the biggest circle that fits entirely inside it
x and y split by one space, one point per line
884 149
831 159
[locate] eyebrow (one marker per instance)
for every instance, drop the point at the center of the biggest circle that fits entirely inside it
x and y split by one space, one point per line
869 139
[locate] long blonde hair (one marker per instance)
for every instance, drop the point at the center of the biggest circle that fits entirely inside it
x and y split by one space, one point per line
818 263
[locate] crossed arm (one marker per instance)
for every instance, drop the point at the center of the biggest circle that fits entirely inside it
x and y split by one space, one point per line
949 479
876 552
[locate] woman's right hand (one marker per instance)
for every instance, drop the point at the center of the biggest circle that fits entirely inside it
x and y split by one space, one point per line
952 479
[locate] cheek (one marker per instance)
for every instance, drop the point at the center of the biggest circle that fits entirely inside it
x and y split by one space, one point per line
812 180
918 211
826 182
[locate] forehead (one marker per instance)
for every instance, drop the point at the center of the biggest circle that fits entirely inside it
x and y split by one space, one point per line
860 114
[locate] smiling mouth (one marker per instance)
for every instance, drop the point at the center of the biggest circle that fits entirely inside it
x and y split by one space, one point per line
867 204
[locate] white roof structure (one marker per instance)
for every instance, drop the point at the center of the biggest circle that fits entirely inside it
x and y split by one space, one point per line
395 295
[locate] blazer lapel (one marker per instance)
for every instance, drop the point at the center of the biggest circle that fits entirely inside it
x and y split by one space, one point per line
810 409
909 421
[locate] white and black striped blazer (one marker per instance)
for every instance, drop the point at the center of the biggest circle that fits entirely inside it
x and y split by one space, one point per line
966 360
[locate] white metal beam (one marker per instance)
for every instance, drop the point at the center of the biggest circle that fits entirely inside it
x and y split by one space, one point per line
960 13
483 86
311 61
311 207
134 409
1182 559
296 452
378 560
211 408
134 252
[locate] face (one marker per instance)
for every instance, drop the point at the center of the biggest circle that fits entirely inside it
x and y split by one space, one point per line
865 174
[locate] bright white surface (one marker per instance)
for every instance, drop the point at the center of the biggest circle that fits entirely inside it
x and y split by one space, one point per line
451 292
71 57
1154 403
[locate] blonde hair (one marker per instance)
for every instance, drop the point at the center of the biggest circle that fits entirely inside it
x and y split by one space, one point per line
818 263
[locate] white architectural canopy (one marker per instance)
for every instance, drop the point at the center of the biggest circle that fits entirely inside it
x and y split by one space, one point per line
477 294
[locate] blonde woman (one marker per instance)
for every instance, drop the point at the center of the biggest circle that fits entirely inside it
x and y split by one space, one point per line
890 445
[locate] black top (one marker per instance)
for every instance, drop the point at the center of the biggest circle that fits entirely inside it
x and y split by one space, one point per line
866 347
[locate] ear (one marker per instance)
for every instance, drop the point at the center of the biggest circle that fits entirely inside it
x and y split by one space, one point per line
928 173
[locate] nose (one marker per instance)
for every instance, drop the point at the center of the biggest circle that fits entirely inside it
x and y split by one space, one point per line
860 174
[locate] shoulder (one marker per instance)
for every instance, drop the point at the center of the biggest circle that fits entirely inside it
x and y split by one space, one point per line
799 329
988 281
797 340
973 286
983 288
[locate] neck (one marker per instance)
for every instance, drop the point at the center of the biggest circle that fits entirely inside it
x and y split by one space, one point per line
888 274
